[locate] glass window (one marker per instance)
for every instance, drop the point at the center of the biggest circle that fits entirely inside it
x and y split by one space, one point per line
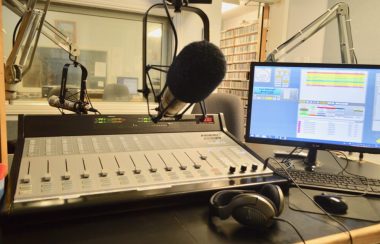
110 44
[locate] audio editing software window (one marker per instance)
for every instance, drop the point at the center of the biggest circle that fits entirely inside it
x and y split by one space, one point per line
318 104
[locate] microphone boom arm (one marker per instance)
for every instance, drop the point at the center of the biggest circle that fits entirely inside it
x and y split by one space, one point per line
31 26
340 11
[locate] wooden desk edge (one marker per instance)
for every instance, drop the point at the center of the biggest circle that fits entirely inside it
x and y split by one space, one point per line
3 131
367 235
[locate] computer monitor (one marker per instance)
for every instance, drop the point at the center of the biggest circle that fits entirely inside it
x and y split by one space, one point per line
315 106
130 82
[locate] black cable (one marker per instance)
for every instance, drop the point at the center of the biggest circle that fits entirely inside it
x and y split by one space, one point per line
173 28
16 30
365 191
312 200
292 225
343 169
89 102
289 155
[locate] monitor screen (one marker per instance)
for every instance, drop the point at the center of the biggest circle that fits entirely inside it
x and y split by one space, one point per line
130 82
327 106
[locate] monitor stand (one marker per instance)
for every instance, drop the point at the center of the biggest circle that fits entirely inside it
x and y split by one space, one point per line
311 160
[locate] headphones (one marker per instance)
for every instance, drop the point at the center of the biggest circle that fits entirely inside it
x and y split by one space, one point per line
249 208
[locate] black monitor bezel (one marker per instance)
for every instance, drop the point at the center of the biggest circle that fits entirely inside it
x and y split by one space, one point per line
315 145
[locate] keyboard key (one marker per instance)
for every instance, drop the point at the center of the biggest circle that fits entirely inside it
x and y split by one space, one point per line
323 181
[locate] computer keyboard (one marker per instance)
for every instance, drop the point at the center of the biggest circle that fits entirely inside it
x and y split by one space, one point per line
334 182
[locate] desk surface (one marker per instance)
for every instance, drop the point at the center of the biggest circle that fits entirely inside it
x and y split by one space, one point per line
184 224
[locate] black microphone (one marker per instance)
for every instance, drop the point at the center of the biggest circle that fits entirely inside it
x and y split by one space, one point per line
77 107
194 74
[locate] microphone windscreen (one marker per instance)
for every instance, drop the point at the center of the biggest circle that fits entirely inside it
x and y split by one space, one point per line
53 100
196 71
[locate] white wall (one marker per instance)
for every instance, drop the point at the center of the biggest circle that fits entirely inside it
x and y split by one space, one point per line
128 5
278 21
190 26
246 13
288 17
365 21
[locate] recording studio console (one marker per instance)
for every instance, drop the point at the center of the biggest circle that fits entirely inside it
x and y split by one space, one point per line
72 161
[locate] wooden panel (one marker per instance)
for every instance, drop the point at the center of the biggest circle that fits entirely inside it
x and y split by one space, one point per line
370 234
3 131
264 32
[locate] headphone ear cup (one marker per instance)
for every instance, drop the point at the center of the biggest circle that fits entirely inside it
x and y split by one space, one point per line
275 195
220 203
253 210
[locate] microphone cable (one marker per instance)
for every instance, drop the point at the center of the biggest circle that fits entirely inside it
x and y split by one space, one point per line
173 28
312 200
293 226
344 170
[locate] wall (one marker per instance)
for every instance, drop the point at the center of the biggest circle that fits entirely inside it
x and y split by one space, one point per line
366 36
139 6
190 26
247 13
278 21
287 18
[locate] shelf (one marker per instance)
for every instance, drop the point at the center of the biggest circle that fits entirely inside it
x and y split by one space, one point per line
230 88
232 71
236 80
241 62
247 34
241 48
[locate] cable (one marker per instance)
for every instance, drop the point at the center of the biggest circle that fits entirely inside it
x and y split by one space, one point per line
292 225
344 156
16 30
311 199
365 191
173 28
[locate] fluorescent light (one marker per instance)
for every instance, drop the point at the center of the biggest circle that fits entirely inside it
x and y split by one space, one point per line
155 33
228 6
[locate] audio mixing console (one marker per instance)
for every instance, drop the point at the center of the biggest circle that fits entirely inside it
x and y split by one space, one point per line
66 162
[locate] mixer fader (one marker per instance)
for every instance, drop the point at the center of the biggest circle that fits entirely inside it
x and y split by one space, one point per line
105 155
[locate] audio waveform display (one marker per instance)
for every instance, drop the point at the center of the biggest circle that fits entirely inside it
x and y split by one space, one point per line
336 79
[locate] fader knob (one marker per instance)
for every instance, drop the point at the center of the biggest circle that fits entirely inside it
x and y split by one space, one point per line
46 178
66 176
232 169
103 173
85 175
26 179
183 167
197 166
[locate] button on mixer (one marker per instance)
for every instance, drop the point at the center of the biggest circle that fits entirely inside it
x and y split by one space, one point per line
254 167
243 168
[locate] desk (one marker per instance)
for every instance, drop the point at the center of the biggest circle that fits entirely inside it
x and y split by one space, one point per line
189 224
